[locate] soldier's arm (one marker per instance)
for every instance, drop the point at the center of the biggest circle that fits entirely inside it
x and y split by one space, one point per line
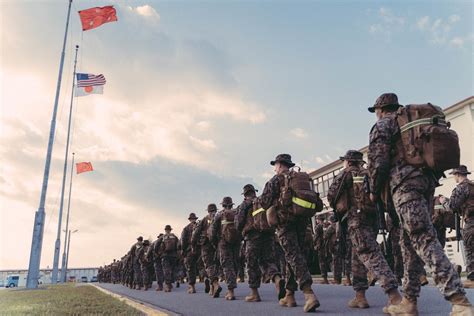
270 193
215 227
184 238
334 187
242 213
196 233
458 197
379 155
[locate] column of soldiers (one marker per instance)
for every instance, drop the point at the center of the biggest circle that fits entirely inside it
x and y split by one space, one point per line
275 241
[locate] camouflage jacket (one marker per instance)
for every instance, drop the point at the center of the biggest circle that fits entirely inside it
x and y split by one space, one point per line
244 219
462 199
385 164
143 250
186 236
271 192
318 236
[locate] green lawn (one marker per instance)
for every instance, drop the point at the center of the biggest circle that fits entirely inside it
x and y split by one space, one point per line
67 299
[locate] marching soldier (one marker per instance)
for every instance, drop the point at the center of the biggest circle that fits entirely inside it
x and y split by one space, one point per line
145 265
291 232
169 249
154 255
462 202
190 254
224 234
412 190
321 249
201 238
137 272
348 195
259 250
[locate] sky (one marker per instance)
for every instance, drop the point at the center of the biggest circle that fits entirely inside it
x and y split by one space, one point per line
200 97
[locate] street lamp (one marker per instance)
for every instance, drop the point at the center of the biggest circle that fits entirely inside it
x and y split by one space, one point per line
67 255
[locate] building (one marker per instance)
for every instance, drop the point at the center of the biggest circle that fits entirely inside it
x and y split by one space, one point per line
461 116
74 275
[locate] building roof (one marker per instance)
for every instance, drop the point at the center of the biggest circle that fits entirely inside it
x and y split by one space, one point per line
329 167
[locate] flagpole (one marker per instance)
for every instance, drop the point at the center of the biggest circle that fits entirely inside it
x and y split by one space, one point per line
66 240
38 226
57 245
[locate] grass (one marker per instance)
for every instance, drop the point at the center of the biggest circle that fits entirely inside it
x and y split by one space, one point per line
67 299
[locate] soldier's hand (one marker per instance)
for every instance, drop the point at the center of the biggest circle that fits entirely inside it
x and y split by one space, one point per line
442 199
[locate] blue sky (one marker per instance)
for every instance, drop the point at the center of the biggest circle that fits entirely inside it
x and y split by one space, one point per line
200 96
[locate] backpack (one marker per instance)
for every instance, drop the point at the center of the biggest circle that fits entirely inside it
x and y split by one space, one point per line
361 194
259 216
427 141
298 196
229 232
169 243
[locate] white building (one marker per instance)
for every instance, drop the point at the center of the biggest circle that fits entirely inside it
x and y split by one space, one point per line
74 275
461 116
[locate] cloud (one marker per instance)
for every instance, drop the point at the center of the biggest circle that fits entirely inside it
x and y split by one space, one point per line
439 31
146 11
387 23
320 160
299 133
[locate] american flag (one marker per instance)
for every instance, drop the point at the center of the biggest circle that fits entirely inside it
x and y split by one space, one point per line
89 80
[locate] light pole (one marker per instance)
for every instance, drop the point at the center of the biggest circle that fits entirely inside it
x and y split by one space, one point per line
63 266
67 256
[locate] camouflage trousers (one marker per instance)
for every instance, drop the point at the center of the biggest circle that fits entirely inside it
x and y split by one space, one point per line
324 261
337 262
146 274
412 200
208 255
137 274
260 259
367 255
468 239
190 262
169 268
396 252
160 277
229 256
292 236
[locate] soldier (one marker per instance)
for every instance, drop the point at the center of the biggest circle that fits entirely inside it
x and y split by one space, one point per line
154 255
130 272
145 264
290 231
332 248
320 248
190 254
462 202
208 252
442 218
114 271
169 249
395 251
348 195
259 250
224 234
412 190
137 273
241 263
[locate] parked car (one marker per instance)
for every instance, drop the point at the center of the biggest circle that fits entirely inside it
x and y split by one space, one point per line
12 281
84 279
72 279
94 279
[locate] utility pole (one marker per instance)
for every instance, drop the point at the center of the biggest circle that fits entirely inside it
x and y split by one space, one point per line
38 226
68 244
57 245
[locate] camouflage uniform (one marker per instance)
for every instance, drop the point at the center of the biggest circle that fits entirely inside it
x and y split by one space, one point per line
332 248
200 239
366 253
145 265
137 273
190 254
394 249
412 191
439 218
169 257
462 201
154 256
319 246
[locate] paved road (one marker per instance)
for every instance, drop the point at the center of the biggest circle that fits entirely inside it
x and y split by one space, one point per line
333 299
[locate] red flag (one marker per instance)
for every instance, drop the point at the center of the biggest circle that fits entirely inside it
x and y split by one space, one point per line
83 167
95 17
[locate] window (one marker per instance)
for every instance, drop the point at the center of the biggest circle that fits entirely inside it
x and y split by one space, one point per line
322 183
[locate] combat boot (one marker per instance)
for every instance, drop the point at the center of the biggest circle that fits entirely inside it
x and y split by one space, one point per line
347 281
423 280
159 287
461 305
336 281
230 295
468 284
191 289
217 289
168 288
311 300
325 280
371 279
177 284
407 307
359 301
288 300
145 288
253 297
207 286
394 298
280 286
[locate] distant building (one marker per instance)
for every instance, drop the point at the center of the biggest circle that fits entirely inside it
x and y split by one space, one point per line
461 116
73 275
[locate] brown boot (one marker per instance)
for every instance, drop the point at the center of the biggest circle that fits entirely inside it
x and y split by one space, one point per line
347 281
145 288
371 279
159 287
288 300
311 300
216 289
359 301
280 286
461 306
336 281
207 286
211 290
468 284
230 295
424 280
253 296
191 289
394 298
325 280
168 288
407 307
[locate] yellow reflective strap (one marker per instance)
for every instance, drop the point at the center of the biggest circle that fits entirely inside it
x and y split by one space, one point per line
225 222
303 203
260 210
439 207
358 179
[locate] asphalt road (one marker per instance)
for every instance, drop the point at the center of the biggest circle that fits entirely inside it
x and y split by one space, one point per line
333 300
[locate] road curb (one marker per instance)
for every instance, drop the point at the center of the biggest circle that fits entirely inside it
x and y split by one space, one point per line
145 308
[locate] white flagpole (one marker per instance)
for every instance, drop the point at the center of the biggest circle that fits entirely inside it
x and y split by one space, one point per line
38 227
